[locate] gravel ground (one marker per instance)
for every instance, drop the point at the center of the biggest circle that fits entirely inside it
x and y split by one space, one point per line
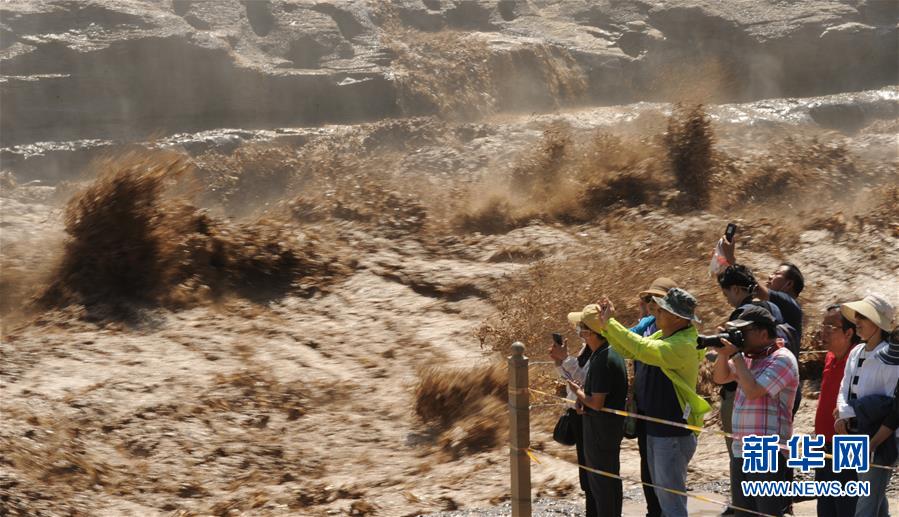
540 507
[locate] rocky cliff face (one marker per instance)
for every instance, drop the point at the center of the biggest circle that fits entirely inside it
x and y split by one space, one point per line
129 69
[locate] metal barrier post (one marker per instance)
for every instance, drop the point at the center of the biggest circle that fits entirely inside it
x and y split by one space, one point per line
519 431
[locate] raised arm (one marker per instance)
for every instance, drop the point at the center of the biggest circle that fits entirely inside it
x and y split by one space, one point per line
747 382
730 250
570 369
722 370
761 292
654 352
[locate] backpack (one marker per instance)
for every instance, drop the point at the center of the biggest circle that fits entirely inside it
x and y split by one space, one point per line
790 336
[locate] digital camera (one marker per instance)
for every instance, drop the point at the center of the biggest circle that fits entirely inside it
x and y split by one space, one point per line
735 336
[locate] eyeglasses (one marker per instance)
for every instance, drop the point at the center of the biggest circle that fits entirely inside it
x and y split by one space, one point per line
580 327
829 328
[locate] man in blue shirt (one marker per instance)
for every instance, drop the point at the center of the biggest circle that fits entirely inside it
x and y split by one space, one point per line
780 293
782 288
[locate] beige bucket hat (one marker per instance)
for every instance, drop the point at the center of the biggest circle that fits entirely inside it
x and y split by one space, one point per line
874 307
659 287
590 316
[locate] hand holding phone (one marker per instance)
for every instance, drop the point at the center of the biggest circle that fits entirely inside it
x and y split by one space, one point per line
558 352
573 385
728 246
730 232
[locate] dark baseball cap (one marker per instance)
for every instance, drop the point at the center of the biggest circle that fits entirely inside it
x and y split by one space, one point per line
754 315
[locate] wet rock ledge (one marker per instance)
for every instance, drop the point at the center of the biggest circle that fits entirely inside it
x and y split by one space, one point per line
132 69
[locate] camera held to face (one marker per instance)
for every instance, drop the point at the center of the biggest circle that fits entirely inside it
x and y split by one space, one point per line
734 335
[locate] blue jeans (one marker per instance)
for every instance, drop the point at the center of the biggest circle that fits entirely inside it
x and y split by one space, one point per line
668 459
876 504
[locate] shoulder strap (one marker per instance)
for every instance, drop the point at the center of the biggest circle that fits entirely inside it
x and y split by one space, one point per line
790 337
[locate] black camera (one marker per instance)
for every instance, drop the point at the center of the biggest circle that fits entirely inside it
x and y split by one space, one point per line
735 336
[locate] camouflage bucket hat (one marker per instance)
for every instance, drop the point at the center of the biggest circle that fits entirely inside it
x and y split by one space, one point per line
680 303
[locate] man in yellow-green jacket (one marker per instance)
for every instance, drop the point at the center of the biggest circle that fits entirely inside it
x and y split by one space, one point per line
669 389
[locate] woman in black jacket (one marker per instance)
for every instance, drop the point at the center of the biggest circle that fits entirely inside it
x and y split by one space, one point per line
889 355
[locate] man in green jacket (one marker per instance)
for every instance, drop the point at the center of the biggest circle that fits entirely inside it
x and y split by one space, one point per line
670 386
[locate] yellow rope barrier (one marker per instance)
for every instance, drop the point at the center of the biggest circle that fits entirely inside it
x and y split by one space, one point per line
682 425
642 417
673 491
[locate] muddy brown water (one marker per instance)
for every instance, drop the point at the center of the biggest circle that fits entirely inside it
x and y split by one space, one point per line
303 405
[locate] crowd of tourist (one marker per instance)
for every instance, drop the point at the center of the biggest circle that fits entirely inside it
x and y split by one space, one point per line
756 361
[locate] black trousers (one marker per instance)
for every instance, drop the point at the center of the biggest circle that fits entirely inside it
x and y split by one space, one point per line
602 447
652 502
768 505
582 460
835 506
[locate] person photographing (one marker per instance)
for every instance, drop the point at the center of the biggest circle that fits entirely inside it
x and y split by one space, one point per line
605 386
574 368
670 389
767 377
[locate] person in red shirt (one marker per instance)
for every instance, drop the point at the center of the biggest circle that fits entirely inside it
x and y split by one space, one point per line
839 337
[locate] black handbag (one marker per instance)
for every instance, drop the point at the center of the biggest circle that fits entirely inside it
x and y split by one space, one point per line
564 432
630 423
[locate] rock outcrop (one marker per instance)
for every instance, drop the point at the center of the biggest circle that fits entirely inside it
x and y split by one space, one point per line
130 69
